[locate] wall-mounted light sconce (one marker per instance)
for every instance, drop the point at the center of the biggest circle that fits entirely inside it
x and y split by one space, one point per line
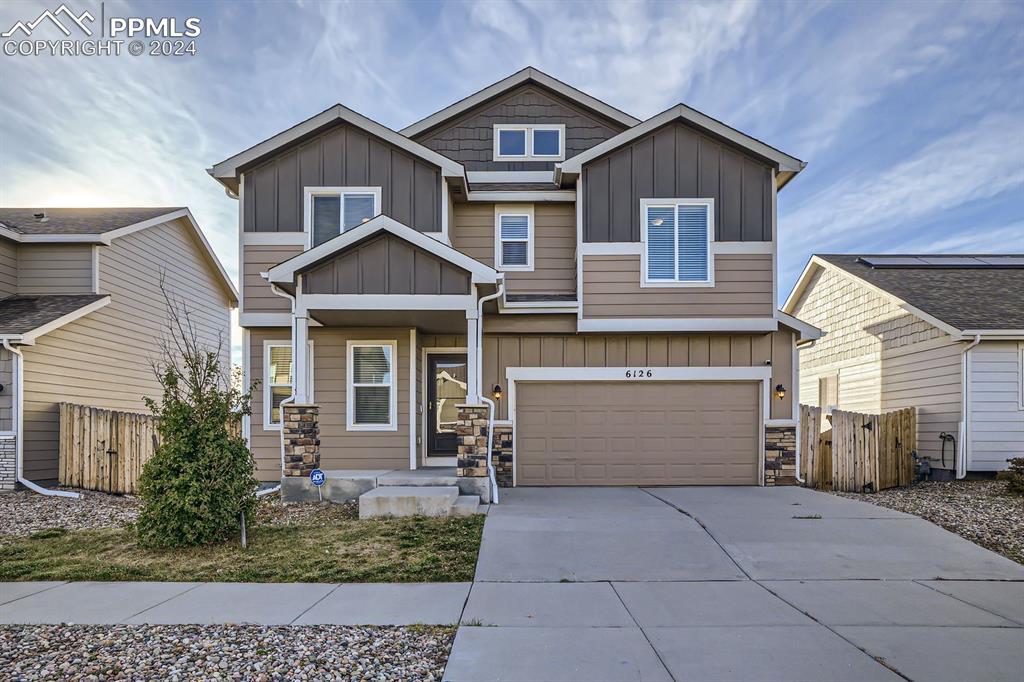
496 392
780 391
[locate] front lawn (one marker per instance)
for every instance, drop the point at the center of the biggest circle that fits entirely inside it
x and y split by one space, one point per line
327 545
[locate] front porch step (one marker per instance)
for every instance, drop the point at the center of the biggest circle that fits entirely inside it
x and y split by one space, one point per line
407 500
438 476
466 505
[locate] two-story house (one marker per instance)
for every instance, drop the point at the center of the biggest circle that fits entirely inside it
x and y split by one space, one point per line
608 284
83 317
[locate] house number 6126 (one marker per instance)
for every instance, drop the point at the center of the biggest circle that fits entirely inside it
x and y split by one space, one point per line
639 373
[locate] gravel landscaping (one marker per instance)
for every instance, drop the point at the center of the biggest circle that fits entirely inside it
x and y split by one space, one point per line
981 511
24 512
249 652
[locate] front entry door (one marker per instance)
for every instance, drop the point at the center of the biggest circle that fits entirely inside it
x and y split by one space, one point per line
446 388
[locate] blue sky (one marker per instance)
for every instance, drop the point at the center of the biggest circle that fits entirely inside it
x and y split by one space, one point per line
911 116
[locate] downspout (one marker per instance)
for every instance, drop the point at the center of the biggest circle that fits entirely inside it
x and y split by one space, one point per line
291 299
961 463
479 383
19 421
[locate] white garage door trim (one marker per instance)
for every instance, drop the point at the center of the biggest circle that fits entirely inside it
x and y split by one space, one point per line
516 375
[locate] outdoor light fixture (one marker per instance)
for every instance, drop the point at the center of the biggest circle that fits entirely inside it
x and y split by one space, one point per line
496 392
780 391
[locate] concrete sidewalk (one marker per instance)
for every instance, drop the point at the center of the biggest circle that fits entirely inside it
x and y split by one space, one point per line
217 603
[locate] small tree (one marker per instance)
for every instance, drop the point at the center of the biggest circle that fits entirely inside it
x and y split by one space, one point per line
200 479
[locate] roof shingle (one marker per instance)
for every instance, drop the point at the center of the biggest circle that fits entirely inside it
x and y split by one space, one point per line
85 221
21 314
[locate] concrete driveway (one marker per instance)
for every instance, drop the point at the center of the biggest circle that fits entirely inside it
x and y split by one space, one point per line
731 584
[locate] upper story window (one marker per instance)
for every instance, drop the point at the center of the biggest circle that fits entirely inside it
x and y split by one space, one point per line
677 236
329 211
539 142
513 243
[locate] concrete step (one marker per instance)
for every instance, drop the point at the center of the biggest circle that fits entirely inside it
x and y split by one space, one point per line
441 476
401 500
466 505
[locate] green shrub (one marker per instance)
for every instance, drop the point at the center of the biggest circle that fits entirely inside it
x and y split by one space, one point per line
200 478
1014 476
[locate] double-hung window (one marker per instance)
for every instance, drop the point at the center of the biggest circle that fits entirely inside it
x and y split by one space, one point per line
332 210
372 396
513 247
677 236
278 379
533 142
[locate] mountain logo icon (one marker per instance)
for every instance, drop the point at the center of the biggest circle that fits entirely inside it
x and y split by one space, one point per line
54 17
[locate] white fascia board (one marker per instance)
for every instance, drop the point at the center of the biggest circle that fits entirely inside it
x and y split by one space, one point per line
806 331
611 248
307 302
676 324
274 239
228 168
531 197
995 334
812 266
266 320
516 79
63 239
657 374
681 111
742 248
510 176
30 337
285 272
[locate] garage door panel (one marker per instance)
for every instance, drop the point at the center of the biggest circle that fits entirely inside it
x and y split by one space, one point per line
649 433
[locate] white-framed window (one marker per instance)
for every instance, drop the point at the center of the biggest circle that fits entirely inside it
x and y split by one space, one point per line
372 395
329 211
513 237
529 142
278 380
676 235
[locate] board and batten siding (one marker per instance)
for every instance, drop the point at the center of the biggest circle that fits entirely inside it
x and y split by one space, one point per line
554 260
386 265
339 448
8 267
469 139
995 405
104 359
344 156
257 296
676 162
55 269
743 288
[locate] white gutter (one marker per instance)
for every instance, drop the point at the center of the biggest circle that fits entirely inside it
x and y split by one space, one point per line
965 368
291 299
479 383
19 421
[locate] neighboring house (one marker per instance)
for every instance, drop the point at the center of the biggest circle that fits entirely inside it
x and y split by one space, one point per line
626 271
82 316
944 334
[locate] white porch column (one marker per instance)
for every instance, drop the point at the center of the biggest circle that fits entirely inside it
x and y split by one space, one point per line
472 359
300 352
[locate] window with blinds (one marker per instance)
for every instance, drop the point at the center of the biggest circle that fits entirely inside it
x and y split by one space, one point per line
514 241
677 237
372 399
334 210
278 379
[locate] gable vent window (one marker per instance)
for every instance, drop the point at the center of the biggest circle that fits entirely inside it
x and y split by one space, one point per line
333 210
372 398
534 142
514 243
677 236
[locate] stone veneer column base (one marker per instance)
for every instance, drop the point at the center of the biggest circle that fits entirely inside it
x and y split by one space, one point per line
780 455
471 430
501 455
300 430
8 464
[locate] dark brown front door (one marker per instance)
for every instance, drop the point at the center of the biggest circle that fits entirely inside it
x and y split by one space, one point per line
446 388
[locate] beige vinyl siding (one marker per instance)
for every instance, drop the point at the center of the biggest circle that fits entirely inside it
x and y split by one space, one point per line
256 293
104 359
743 288
339 448
996 413
55 268
8 267
554 259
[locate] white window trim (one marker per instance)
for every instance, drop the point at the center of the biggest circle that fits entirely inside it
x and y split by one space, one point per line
514 210
267 344
660 283
529 129
307 205
350 392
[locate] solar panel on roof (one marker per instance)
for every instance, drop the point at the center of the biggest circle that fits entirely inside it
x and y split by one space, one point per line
943 261
890 261
1003 261
949 261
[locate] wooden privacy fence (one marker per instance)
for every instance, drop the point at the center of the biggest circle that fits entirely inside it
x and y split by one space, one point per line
861 452
104 450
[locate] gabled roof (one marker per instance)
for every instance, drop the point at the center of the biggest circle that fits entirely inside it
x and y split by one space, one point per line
284 272
227 171
102 226
527 75
24 318
962 295
788 165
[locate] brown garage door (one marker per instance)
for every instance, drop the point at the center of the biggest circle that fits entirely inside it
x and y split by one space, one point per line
648 433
